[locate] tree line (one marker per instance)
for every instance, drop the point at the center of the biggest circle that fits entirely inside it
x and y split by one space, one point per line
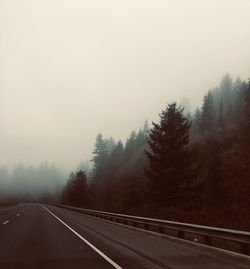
192 167
29 183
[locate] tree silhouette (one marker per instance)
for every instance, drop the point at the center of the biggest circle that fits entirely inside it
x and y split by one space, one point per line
207 114
75 191
169 157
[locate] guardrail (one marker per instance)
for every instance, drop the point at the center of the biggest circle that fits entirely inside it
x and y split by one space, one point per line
233 240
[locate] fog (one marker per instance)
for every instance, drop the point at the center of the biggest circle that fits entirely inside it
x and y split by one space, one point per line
71 69
27 182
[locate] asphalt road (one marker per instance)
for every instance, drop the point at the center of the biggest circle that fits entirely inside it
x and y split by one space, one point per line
43 236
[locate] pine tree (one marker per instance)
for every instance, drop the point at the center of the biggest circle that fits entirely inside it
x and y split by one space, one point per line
230 114
239 104
116 156
75 191
221 119
169 157
130 146
196 123
207 114
245 124
226 90
145 130
236 165
140 140
100 157
110 144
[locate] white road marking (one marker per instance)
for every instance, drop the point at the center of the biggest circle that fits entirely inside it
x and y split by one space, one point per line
17 215
7 221
86 241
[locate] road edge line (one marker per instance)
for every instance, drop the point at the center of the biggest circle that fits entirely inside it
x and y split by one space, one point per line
114 264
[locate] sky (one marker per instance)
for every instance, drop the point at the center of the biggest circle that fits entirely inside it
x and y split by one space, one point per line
70 69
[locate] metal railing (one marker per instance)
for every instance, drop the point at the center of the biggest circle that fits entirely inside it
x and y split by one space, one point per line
228 239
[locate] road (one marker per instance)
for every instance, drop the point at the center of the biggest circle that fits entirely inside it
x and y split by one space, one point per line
44 236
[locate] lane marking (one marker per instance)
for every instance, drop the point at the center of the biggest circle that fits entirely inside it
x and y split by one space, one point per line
17 215
7 221
85 241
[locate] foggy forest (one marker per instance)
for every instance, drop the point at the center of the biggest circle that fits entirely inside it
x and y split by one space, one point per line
124 134
187 166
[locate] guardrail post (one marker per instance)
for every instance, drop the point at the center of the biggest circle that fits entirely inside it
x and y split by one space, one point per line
181 234
161 229
208 240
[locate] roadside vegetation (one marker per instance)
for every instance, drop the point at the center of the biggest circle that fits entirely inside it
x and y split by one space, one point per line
189 167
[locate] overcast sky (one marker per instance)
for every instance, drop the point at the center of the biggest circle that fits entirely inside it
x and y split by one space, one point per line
70 69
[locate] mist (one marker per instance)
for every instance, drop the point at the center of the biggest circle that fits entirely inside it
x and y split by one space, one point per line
26 183
73 69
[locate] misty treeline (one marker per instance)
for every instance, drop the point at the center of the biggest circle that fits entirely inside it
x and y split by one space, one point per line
28 183
192 167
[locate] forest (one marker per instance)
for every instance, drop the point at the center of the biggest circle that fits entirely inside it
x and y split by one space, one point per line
29 183
188 167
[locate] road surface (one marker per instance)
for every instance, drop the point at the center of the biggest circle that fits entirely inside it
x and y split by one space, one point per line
44 236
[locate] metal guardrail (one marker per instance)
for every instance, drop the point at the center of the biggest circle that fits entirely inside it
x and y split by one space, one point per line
233 240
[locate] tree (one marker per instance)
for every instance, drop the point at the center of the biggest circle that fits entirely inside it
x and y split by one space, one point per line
207 114
221 119
236 167
100 157
145 130
236 186
110 144
226 85
130 146
170 160
100 187
116 156
240 94
245 124
196 123
75 191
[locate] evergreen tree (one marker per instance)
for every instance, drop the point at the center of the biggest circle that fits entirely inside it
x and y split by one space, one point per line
230 114
145 130
100 158
207 114
116 156
240 96
130 146
140 140
226 90
169 157
245 124
75 191
236 166
221 119
110 144
196 123
102 173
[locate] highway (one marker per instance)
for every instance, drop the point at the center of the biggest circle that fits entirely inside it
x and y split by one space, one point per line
44 236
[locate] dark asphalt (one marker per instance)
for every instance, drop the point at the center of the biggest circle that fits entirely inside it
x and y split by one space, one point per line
31 237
